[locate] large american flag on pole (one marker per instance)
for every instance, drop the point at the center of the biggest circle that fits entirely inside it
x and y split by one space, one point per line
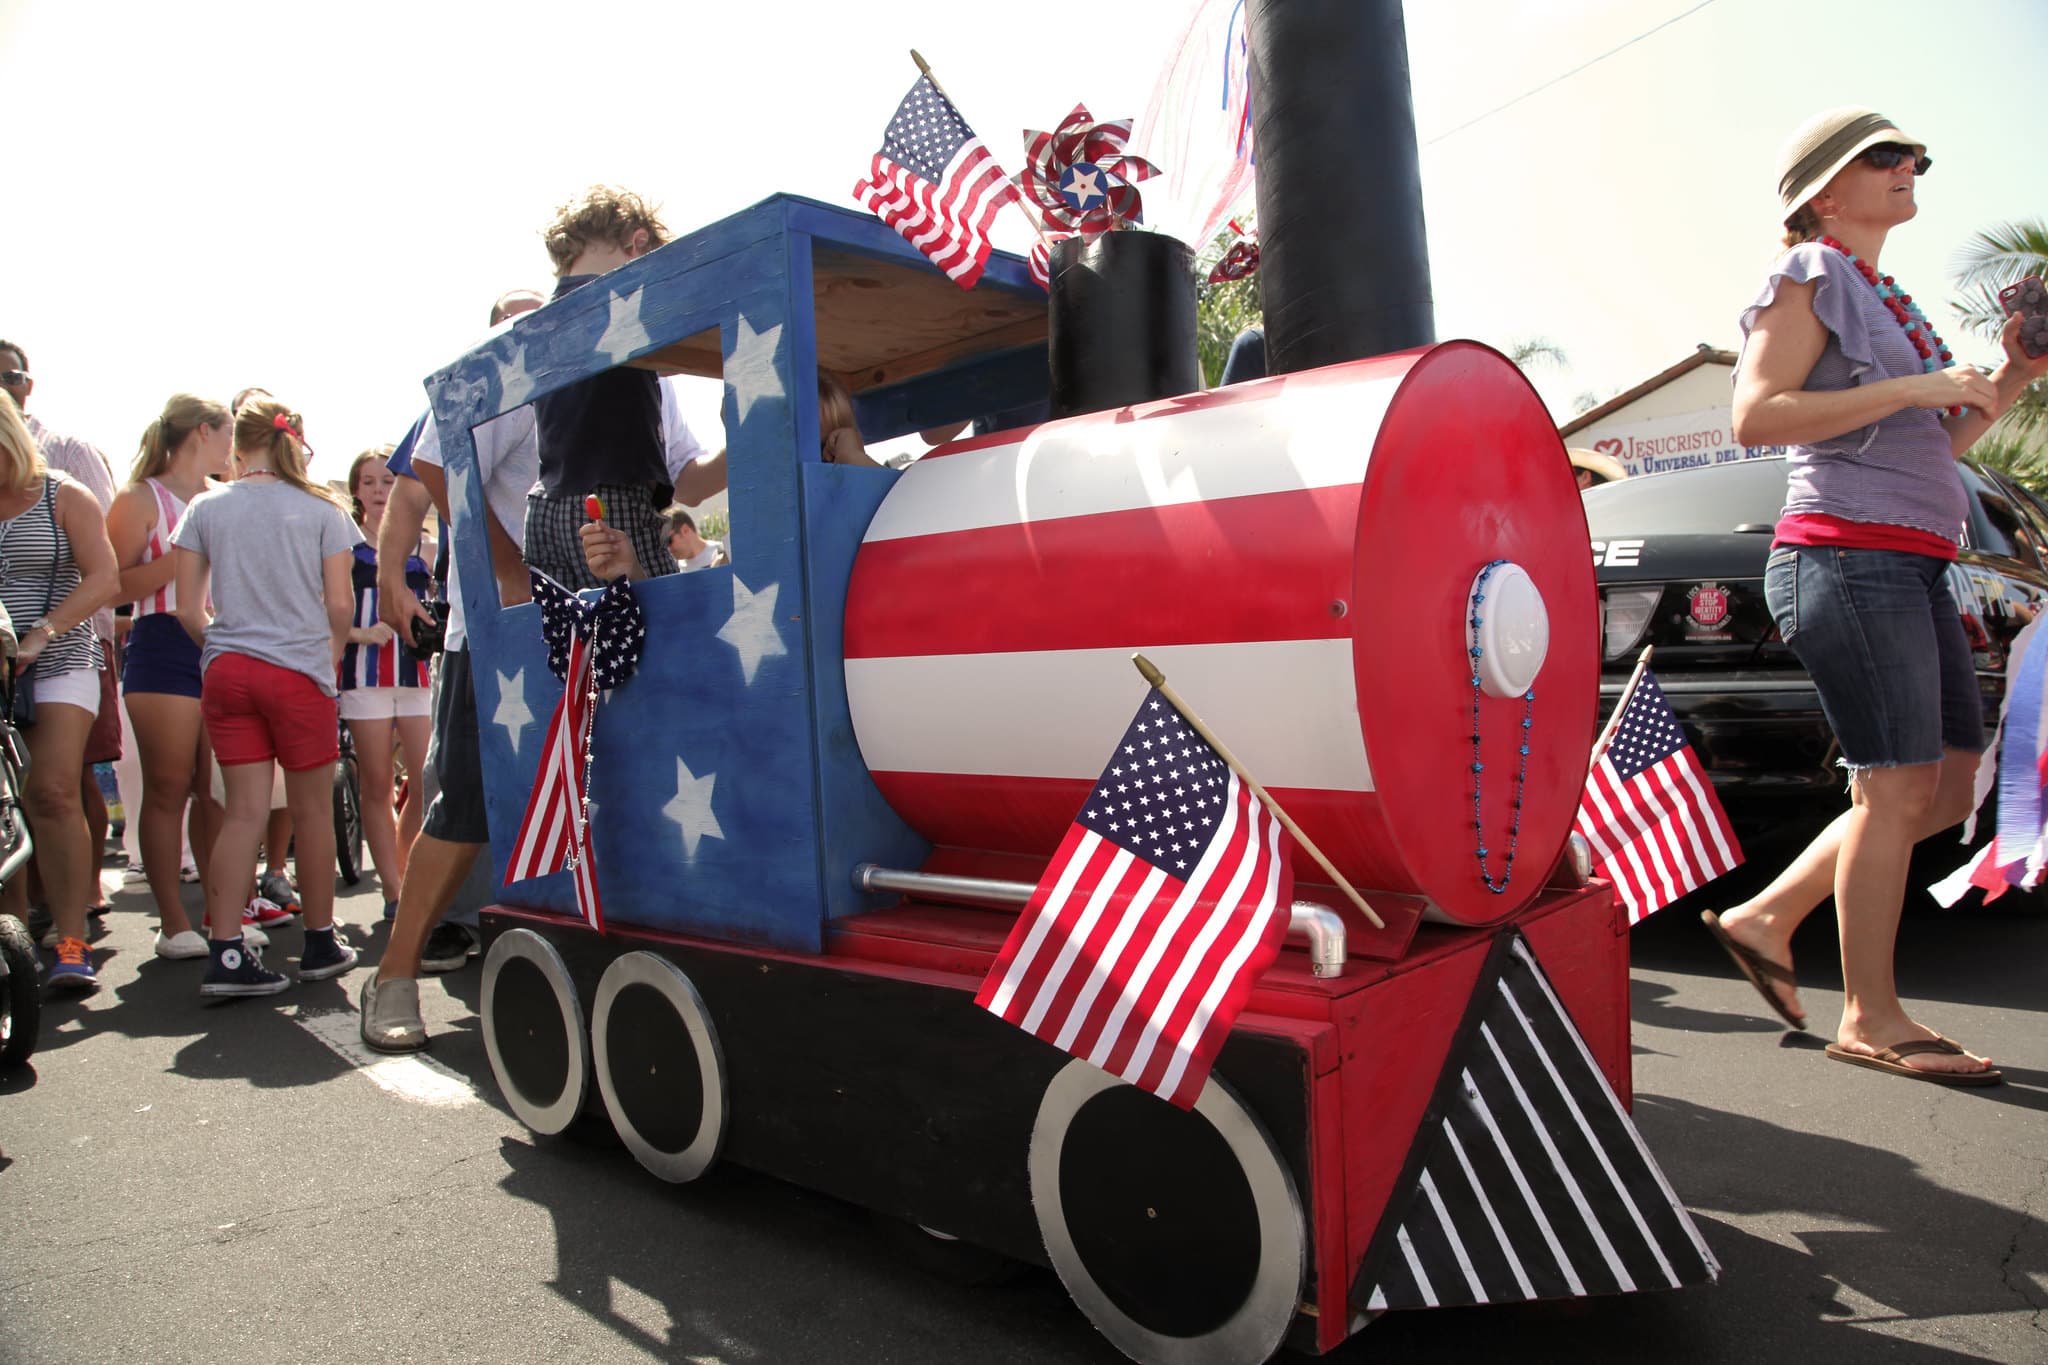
555 832
1168 897
1649 811
936 184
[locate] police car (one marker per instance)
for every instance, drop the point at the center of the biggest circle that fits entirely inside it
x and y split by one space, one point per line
1680 561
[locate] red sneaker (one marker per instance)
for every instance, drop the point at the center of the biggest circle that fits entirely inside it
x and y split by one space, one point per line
265 913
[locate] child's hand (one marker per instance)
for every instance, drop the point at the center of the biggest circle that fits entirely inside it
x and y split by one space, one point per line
607 551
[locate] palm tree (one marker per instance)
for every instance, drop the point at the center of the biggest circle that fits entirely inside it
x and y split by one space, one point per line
1991 259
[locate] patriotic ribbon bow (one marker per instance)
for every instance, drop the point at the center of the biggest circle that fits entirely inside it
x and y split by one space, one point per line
613 626
592 647
1079 177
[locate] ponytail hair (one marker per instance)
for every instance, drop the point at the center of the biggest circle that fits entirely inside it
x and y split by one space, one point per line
183 414
268 426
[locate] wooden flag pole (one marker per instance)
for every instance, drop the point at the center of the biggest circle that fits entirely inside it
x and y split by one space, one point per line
1158 680
1614 720
1030 215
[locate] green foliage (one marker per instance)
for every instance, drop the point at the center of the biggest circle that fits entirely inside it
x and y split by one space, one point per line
1221 310
715 526
1991 259
1538 351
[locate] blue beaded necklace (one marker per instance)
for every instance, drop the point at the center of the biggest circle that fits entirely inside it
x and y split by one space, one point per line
1481 852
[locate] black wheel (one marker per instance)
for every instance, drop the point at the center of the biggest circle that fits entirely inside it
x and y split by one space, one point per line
535 1033
348 820
659 1065
1179 1234
21 1000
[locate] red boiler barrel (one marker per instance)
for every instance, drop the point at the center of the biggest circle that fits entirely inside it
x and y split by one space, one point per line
1299 556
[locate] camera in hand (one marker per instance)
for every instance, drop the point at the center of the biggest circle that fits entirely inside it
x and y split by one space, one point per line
2029 299
429 637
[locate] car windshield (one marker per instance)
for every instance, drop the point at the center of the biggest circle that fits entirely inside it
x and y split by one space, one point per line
1747 494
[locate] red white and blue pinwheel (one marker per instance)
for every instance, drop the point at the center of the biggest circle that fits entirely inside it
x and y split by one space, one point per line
1079 179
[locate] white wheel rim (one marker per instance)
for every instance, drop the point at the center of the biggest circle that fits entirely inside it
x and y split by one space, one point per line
667 980
550 1118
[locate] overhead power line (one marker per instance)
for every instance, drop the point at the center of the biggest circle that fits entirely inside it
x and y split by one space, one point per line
1591 61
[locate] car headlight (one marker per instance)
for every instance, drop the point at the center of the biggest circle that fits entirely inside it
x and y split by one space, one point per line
1625 614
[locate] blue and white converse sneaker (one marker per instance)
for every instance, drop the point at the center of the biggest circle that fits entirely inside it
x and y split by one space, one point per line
327 954
237 969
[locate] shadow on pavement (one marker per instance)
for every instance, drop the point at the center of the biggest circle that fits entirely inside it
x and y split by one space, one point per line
684 1272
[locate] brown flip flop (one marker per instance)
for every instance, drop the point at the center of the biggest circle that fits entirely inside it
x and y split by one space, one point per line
1758 969
1892 1062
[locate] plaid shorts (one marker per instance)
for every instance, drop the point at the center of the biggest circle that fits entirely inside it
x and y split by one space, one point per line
554 546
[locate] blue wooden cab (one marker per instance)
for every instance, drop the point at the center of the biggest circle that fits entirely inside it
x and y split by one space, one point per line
729 797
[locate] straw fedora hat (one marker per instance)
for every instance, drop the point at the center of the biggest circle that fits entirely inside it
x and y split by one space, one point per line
1605 468
1827 142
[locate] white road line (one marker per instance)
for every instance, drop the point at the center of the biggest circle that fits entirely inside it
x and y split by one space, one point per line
412 1077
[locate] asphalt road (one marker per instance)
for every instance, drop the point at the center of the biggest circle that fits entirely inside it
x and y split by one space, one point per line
192 1182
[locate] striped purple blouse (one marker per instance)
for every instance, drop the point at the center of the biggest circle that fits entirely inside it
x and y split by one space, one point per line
1898 472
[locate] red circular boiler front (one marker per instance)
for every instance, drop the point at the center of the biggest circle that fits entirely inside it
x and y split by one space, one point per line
1299 557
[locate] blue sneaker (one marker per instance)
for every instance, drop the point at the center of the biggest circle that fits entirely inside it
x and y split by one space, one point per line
73 969
237 969
326 955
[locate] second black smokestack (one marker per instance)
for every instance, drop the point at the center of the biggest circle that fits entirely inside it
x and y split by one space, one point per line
1343 257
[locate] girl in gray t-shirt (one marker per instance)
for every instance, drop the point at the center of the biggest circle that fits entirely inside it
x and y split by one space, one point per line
272 551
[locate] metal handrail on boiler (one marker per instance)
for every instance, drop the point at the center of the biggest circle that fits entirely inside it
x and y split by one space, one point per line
1321 926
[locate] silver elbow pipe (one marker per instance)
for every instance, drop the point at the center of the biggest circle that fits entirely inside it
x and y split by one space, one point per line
1320 925
1324 930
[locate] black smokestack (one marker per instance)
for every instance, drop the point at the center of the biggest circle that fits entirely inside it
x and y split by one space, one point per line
1343 258
1123 322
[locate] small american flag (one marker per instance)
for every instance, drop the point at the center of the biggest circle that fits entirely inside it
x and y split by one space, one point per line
1165 901
1650 813
936 184
555 832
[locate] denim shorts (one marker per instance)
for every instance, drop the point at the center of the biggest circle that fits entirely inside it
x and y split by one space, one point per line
1879 632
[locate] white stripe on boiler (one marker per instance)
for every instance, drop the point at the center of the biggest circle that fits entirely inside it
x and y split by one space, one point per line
1317 435
1586 1132
1288 708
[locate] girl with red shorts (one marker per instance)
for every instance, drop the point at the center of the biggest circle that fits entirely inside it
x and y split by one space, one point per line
273 550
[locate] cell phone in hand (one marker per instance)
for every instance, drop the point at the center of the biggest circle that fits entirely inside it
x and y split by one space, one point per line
2029 300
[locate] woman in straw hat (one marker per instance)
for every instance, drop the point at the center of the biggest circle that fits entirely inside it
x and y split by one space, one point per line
1839 364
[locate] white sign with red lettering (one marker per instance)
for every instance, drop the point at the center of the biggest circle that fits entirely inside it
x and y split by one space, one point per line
1686 440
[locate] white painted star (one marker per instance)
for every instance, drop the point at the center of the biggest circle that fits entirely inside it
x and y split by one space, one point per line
623 333
1083 186
751 628
512 712
750 371
515 384
690 808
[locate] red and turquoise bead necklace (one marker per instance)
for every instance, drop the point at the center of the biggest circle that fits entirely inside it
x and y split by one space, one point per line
1934 355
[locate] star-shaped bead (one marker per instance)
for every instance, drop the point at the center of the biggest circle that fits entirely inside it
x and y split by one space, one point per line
512 712
623 332
751 628
690 808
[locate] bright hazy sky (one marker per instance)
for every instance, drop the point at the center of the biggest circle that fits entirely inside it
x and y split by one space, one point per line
323 200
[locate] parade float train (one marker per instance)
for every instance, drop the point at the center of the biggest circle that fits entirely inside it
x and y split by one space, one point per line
845 754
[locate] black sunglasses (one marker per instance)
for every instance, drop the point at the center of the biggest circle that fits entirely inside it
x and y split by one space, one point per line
13 379
1886 155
